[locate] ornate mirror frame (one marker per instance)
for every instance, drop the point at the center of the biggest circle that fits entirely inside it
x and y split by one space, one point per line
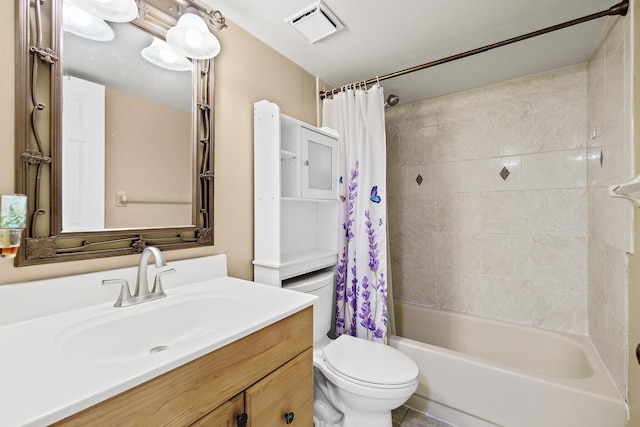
39 137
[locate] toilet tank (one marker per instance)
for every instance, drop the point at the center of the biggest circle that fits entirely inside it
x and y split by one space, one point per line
321 284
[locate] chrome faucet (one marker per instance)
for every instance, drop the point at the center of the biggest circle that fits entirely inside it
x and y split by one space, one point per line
142 285
141 293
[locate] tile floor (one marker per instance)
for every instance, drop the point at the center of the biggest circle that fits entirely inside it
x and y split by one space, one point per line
405 417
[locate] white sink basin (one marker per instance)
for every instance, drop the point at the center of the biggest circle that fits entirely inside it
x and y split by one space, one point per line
149 328
62 363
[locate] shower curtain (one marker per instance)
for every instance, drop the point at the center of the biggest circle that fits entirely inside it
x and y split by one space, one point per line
361 291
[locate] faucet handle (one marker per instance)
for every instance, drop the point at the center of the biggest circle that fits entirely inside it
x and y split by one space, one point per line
125 292
157 283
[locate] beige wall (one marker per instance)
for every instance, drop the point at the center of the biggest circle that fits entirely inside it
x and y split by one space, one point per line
148 155
246 71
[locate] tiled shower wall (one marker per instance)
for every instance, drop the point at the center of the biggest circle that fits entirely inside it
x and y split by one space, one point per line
488 200
498 202
610 229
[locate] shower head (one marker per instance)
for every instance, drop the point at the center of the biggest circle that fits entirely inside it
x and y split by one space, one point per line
391 101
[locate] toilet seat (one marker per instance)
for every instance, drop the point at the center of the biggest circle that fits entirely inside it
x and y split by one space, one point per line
369 364
366 390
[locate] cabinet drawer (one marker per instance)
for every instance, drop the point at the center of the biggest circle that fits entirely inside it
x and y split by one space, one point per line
289 390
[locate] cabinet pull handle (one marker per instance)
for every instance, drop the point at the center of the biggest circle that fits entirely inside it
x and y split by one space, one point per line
288 417
242 419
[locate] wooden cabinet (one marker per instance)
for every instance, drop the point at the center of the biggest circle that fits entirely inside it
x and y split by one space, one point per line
295 196
266 374
226 415
282 396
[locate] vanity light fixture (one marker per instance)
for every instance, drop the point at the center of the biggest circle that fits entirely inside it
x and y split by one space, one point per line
191 37
83 24
110 10
161 54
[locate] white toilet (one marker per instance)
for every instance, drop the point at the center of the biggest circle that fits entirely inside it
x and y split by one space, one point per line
356 382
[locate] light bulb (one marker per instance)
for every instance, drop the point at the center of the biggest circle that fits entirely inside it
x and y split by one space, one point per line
78 17
110 10
161 54
168 56
82 24
193 38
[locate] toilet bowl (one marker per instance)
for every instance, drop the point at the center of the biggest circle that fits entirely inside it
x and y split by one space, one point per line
363 380
356 382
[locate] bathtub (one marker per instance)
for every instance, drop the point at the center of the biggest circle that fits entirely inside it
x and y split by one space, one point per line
476 372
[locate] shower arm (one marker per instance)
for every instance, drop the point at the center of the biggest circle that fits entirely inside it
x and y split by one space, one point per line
617 9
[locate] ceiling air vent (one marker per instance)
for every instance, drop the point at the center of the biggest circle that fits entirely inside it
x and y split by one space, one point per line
315 22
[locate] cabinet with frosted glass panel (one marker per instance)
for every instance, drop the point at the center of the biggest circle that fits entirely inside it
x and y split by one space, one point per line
295 196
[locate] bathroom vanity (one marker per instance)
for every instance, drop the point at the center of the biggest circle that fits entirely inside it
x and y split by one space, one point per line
264 377
217 351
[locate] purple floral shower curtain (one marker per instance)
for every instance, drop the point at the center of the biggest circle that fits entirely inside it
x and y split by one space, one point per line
361 299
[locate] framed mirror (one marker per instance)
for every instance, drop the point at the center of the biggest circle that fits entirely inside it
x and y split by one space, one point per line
114 152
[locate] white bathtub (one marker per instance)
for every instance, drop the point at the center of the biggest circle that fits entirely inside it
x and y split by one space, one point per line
476 372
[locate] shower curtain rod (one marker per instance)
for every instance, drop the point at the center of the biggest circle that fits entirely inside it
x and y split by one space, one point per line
617 9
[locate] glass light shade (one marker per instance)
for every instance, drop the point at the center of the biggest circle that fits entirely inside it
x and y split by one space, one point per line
81 23
191 37
110 10
161 54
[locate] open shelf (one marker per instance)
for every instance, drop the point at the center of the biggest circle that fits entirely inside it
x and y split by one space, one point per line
297 263
312 256
286 154
303 200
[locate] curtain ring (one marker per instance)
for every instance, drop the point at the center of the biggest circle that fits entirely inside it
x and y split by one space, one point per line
378 80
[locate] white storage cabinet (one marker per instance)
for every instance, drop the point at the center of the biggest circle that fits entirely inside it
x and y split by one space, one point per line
295 196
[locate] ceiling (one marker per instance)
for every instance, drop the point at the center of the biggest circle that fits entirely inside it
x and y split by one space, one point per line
384 36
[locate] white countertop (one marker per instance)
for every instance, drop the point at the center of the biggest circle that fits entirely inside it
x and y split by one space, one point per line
40 384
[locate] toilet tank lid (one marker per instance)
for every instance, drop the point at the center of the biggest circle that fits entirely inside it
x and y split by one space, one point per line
309 282
370 361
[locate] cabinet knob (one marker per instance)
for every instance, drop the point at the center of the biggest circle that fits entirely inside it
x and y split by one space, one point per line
306 162
242 419
288 417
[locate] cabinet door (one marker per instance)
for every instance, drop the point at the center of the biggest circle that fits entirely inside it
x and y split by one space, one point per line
319 165
225 415
284 396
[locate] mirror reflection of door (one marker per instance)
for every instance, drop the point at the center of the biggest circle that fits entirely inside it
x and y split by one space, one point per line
83 155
